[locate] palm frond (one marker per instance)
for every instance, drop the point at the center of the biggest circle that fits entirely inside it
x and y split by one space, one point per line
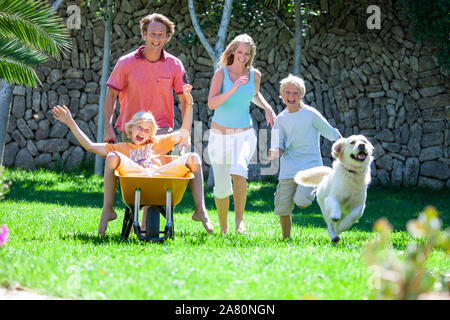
12 49
18 73
33 22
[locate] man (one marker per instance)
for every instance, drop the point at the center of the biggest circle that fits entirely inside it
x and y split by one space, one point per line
144 80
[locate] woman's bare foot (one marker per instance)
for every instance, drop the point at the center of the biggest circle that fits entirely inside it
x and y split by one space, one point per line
105 218
203 217
240 227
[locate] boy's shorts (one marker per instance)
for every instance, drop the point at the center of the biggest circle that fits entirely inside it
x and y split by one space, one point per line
288 192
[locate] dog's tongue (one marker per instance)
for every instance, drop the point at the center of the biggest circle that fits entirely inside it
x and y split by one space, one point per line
361 155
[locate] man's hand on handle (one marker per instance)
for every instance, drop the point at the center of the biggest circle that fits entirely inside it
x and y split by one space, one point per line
109 136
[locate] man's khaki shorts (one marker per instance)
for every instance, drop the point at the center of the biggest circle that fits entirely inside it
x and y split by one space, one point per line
288 192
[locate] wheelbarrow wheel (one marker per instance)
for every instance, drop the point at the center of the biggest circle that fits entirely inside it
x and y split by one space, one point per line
152 227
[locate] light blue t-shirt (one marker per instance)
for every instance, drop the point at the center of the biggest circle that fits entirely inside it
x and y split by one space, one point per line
235 111
299 136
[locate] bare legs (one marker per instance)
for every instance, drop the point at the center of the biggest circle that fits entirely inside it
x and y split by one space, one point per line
222 206
286 224
110 184
240 198
196 184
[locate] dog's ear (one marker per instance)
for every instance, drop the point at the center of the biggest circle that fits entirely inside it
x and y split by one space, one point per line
370 146
337 148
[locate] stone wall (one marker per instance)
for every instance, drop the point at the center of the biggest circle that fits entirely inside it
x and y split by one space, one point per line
379 83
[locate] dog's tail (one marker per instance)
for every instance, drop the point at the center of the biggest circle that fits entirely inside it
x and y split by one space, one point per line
312 177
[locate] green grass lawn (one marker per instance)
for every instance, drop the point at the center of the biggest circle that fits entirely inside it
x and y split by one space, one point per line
54 249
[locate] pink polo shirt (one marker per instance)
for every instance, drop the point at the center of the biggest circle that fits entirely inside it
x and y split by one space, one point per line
144 85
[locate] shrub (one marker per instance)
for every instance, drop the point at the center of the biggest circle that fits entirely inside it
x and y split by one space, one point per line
407 278
429 21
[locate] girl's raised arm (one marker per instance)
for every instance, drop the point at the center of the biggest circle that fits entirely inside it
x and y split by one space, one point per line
63 114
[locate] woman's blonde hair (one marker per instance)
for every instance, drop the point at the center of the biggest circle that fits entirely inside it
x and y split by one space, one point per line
142 116
227 56
294 80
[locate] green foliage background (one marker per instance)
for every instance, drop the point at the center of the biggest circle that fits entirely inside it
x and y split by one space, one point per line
430 21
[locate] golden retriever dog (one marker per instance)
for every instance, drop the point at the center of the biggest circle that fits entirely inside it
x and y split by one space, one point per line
342 190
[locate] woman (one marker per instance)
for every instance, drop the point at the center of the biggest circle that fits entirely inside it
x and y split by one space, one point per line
232 142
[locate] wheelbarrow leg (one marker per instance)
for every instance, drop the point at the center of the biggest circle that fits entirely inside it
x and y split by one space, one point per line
169 213
172 230
137 207
127 223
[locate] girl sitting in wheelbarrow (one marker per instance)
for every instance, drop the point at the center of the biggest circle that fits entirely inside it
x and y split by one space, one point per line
142 157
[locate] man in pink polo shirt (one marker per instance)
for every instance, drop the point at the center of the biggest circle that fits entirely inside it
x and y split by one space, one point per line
144 80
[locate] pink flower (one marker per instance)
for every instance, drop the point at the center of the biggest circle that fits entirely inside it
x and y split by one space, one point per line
3 235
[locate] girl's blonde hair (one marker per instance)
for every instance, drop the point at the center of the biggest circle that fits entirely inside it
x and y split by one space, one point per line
227 56
294 80
142 116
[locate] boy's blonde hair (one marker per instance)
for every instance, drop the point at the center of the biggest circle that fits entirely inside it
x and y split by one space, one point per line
227 56
294 80
142 116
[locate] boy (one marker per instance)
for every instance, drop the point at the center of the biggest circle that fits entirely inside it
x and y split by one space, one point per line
299 127
141 156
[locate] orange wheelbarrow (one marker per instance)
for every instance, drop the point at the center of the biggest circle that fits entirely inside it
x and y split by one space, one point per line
161 194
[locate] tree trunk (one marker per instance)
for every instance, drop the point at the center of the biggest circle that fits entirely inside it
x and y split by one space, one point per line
199 32
222 32
6 90
56 5
214 53
298 38
99 161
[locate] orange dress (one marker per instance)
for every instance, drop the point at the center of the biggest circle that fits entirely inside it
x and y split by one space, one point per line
149 160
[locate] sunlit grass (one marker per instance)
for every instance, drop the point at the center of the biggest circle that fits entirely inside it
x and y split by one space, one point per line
54 249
